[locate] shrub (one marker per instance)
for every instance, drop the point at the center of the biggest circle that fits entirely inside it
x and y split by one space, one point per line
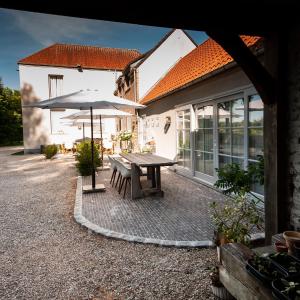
49 151
84 158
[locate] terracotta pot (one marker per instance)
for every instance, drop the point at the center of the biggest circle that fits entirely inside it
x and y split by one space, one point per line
281 247
221 292
291 237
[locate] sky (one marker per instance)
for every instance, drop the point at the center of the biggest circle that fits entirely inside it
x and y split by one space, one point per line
23 33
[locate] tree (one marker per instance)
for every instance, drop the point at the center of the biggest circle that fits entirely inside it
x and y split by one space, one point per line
11 132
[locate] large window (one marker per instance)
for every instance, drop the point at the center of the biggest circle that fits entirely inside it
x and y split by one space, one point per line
55 90
204 148
183 138
231 132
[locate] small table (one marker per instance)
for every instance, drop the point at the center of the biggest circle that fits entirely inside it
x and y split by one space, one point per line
152 163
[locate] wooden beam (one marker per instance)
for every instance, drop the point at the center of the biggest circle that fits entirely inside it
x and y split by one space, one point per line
259 76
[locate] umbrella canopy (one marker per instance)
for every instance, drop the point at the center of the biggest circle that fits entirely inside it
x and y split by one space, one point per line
104 113
83 100
86 99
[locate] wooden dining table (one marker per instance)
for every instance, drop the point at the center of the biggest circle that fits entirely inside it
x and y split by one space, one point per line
153 163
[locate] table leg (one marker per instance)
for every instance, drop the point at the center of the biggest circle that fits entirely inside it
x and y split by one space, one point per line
136 191
153 177
158 181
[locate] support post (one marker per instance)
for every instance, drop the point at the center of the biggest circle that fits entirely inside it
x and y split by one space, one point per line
92 148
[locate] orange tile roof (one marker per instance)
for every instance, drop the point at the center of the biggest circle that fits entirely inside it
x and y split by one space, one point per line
207 57
65 55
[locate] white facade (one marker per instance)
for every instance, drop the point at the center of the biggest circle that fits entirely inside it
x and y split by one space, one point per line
154 67
41 126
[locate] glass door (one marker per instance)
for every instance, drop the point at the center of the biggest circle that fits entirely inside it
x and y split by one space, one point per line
204 143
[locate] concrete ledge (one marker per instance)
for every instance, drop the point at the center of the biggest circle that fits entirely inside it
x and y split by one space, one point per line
122 236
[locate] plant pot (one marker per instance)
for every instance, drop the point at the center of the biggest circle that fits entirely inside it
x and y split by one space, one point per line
291 237
221 292
281 247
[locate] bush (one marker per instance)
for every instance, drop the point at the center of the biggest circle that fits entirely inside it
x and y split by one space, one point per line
50 150
84 158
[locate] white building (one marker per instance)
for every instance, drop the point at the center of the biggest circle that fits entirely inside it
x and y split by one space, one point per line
62 69
143 73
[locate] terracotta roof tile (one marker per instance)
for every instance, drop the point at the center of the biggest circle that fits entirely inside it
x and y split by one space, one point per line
207 57
65 55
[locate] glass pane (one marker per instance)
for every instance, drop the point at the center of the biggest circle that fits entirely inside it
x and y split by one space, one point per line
186 139
237 111
187 159
199 139
205 117
199 167
238 142
180 157
179 139
239 161
256 142
256 111
180 120
257 188
187 119
224 114
208 140
224 141
208 164
224 160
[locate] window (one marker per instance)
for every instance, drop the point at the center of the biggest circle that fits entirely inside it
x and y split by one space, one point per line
183 138
56 90
255 133
231 132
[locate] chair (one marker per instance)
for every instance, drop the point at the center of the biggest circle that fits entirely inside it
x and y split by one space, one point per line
124 170
114 168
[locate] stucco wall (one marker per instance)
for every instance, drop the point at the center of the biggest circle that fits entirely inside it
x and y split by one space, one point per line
162 59
34 87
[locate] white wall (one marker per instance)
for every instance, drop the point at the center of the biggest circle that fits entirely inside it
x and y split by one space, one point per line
34 87
176 46
154 130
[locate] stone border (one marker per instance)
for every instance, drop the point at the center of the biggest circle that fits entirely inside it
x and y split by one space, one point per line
118 235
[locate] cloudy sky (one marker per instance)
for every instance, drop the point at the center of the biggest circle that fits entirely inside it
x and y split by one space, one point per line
23 33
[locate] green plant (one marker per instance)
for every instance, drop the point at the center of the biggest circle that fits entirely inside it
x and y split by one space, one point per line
291 289
214 276
50 150
265 267
84 158
236 218
125 136
233 179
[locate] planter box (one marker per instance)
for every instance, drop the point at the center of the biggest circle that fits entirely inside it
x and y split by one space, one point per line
266 280
277 287
282 262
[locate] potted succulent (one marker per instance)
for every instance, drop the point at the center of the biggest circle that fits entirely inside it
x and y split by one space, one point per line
287 263
217 286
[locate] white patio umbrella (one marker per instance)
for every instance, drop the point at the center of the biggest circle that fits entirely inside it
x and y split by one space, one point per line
88 100
98 114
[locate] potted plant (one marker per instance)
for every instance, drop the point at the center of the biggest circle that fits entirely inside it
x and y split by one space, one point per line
286 288
287 263
291 237
217 286
235 219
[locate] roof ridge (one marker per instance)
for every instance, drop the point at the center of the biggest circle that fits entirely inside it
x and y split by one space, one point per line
94 46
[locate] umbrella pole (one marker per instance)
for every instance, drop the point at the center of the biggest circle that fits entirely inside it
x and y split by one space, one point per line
83 131
101 141
92 147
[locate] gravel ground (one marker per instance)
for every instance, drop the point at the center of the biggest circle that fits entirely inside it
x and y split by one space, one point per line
45 254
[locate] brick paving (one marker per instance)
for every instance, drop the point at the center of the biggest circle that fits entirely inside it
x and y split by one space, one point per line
181 215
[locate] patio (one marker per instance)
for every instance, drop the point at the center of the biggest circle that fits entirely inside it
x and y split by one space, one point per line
181 218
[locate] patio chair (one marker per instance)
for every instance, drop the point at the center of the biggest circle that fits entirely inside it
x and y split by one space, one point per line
114 168
124 170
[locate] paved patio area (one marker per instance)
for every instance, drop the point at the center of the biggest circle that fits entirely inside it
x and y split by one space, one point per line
180 218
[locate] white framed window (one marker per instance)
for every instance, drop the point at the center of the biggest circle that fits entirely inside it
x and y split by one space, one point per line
55 84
